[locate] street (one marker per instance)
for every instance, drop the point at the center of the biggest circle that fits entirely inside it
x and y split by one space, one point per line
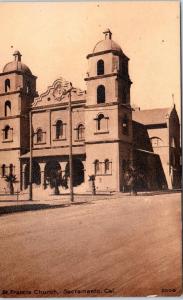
128 246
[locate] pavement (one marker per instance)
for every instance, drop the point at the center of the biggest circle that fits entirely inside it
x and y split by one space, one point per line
13 203
127 246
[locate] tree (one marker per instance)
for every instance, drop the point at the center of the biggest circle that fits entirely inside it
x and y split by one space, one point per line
131 179
92 179
64 182
56 179
11 179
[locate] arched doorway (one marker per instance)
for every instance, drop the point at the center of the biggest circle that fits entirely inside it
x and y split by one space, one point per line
36 174
78 171
52 174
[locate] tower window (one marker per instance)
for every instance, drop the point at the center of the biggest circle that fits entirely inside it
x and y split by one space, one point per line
59 129
7 108
107 166
7 130
39 136
100 67
125 125
101 94
11 169
80 132
7 134
100 122
97 166
28 88
7 85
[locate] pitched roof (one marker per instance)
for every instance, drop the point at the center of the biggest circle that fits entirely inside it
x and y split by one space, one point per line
152 116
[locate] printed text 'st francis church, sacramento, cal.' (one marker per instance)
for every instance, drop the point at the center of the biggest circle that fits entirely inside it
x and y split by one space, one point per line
108 134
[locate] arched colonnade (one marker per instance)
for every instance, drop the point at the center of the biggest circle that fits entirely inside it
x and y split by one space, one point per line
51 172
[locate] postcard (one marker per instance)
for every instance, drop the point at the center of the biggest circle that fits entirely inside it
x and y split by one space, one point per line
90 149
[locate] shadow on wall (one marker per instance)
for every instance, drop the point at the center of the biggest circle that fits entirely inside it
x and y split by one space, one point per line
152 176
160 175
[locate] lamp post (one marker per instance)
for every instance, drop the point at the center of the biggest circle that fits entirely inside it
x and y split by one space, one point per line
70 145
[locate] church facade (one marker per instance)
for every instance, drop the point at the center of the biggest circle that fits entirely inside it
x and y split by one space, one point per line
107 134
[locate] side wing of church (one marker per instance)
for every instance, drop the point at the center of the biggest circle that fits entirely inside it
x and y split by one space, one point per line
108 136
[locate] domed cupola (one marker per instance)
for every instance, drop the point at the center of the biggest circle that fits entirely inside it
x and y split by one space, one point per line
106 46
16 65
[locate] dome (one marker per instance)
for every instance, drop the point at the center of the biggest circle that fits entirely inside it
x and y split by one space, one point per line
16 65
107 44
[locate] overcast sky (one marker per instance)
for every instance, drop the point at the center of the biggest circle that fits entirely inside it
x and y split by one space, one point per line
54 39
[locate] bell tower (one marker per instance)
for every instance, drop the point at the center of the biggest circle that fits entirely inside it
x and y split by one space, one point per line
108 66
17 91
108 114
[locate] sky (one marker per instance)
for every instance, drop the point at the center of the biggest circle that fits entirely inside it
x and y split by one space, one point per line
54 39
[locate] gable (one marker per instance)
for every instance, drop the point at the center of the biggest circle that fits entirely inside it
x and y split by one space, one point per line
58 93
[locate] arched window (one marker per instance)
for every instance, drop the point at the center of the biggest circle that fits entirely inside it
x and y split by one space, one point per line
80 132
106 166
156 141
97 166
59 129
3 170
7 108
100 67
125 125
7 85
101 94
100 121
7 132
11 169
39 136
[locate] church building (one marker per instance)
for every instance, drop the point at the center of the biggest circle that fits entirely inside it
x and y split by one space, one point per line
108 135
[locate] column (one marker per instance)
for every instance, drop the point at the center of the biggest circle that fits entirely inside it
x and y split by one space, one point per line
84 164
23 177
42 169
63 166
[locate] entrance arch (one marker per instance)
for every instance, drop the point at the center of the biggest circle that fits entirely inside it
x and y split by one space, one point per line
52 173
36 174
78 171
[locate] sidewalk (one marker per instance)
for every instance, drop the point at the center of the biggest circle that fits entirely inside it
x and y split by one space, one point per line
12 204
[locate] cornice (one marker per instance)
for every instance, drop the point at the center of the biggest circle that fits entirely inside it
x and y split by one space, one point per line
108 142
115 52
101 76
18 73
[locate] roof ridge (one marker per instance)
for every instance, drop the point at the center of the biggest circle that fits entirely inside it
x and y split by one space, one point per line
160 108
